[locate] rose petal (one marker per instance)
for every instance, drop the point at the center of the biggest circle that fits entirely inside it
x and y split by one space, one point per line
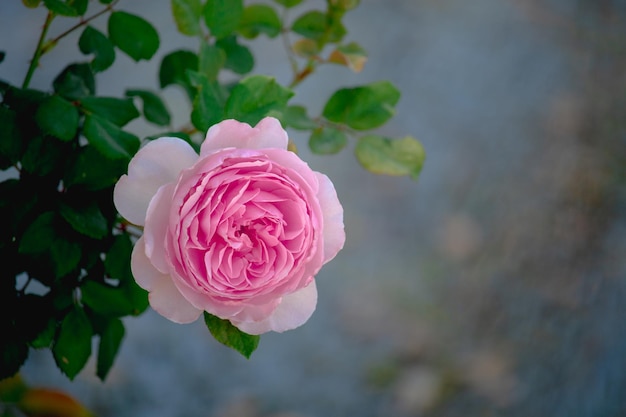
268 133
293 311
157 222
145 274
334 232
166 300
157 163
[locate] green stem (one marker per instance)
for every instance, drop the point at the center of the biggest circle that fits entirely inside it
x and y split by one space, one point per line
38 51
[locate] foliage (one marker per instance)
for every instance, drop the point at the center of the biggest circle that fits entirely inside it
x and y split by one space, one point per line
64 248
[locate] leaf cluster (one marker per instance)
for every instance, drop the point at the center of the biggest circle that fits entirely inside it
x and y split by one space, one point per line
66 251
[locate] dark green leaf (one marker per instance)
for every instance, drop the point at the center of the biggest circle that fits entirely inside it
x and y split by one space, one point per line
92 41
254 97
117 261
2 55
327 141
106 1
110 342
72 347
86 219
109 139
65 256
75 81
174 67
211 61
58 117
222 16
133 35
390 157
296 117
11 143
13 354
44 338
288 3
39 235
154 109
363 107
207 106
259 18
106 299
42 155
118 111
93 170
187 15
71 8
227 334
239 59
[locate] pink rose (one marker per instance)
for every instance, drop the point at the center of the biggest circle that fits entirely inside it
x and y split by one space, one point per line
239 231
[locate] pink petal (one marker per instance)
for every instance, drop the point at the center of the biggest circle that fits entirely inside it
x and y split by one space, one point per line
157 223
166 300
157 163
334 233
268 133
293 311
145 274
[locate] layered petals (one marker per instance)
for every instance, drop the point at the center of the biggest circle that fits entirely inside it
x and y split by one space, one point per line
156 164
238 232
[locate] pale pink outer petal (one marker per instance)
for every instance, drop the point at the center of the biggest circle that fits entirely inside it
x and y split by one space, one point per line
166 300
157 223
157 163
163 295
334 231
268 133
293 311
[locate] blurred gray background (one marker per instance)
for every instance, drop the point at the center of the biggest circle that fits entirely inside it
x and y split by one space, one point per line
493 286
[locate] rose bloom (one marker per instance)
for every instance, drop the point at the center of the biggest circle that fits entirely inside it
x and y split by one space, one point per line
239 231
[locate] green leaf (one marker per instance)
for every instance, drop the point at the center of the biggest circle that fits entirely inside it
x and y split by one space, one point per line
75 81
296 117
154 109
110 342
42 156
327 141
239 59
222 16
109 139
71 8
31 4
363 107
259 18
207 106
211 60
106 299
385 156
11 143
173 70
254 97
65 256
288 3
86 218
93 170
227 334
72 347
92 41
46 336
39 235
118 111
58 117
187 15
316 25
133 35
2 55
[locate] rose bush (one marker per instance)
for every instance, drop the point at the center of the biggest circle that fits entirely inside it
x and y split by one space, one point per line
239 231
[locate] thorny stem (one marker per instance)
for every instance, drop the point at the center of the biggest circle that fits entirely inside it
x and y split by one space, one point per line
44 48
34 62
